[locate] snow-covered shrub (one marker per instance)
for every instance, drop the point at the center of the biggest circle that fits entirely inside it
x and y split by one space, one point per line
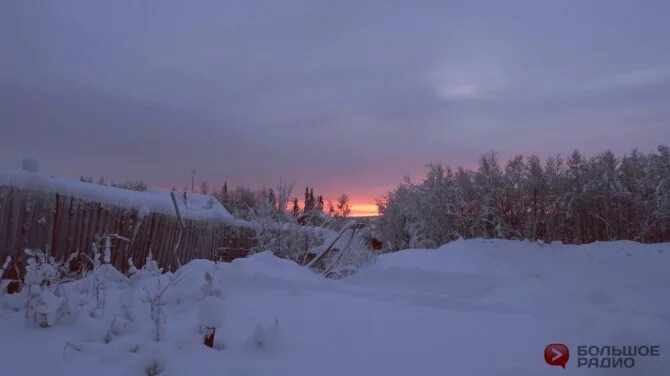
151 266
154 291
150 269
97 284
102 271
46 302
209 288
47 307
210 317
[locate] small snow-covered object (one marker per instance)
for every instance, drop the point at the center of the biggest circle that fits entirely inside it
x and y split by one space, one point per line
209 288
265 336
47 308
210 317
210 312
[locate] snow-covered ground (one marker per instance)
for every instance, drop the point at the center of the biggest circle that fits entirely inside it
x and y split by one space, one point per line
476 307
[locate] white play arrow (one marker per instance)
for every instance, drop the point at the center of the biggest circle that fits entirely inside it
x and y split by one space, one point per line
558 354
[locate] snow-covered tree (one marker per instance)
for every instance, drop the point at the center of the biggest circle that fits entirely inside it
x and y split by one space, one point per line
576 201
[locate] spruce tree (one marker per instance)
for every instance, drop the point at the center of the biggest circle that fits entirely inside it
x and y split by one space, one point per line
307 201
295 209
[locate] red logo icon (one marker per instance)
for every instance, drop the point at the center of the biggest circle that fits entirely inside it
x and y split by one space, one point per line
556 354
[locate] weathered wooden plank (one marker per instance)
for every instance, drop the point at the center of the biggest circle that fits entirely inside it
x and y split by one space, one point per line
66 227
93 215
39 231
163 246
79 226
18 200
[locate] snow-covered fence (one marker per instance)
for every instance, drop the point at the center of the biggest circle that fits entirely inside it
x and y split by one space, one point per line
39 219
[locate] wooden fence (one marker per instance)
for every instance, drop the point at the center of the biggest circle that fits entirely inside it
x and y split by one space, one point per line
65 224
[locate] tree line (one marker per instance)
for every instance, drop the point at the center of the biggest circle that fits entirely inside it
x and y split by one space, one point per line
575 200
243 203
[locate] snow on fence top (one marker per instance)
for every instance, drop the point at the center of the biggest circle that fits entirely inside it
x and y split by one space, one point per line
195 206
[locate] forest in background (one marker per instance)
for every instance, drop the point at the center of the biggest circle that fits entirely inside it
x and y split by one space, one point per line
575 200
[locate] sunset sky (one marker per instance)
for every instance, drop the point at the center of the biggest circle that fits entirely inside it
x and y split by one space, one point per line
342 96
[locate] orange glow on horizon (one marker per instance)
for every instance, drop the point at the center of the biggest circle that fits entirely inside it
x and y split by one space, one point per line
363 210
364 206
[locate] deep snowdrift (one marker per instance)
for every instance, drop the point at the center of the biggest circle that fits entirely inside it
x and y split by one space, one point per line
476 307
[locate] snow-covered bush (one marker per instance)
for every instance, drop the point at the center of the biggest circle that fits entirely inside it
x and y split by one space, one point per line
102 271
46 302
209 288
47 307
150 269
154 290
96 280
210 317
